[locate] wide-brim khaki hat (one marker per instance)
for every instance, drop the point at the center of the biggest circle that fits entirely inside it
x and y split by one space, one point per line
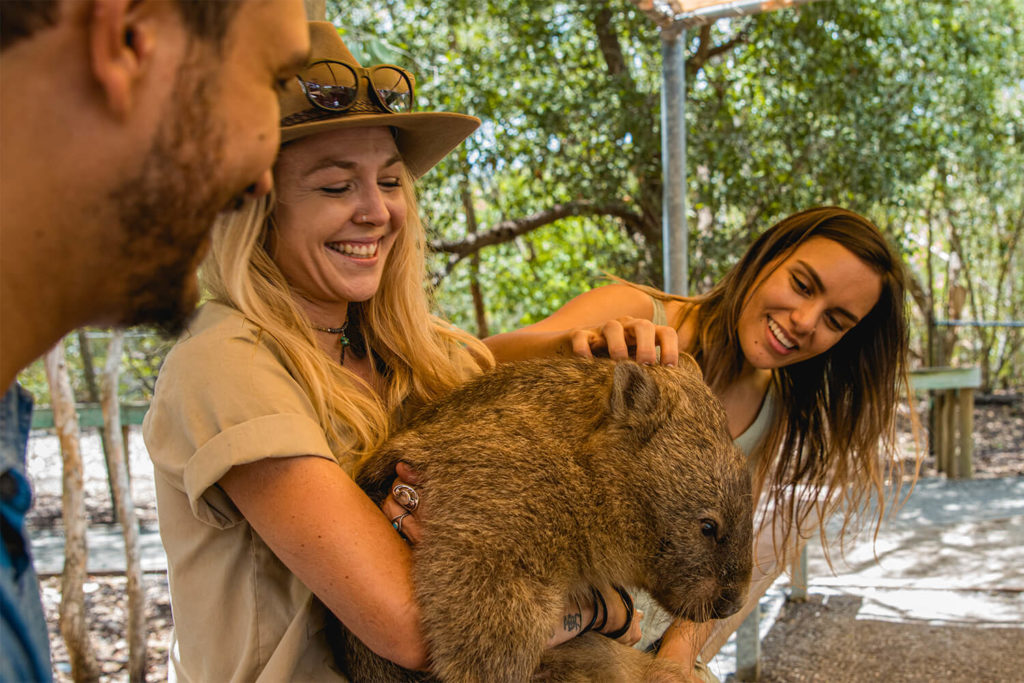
422 138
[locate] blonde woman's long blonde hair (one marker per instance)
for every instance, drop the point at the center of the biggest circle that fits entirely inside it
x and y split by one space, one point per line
425 356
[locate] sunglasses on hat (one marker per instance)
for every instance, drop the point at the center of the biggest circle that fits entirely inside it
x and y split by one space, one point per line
335 86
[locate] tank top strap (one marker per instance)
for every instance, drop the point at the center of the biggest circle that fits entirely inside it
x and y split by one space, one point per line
659 317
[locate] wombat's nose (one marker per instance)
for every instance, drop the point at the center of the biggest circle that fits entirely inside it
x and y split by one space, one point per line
727 604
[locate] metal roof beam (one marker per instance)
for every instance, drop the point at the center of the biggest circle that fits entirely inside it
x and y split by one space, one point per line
679 15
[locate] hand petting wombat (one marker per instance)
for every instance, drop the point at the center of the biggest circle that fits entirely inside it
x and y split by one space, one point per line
542 478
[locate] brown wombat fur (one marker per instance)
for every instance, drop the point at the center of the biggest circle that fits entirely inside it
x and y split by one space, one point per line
542 478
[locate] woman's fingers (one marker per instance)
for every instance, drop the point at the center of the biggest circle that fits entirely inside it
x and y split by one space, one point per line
584 341
407 474
643 334
642 340
614 333
402 503
668 340
628 339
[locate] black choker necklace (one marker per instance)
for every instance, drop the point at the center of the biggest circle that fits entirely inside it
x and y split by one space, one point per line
337 330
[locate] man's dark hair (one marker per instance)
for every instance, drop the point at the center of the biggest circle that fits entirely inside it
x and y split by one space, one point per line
21 18
207 19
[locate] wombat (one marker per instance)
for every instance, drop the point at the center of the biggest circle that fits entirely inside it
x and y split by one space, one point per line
542 478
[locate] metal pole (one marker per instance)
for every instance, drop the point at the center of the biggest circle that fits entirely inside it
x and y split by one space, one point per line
673 160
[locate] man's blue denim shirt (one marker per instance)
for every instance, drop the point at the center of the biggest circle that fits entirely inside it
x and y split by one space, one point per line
24 644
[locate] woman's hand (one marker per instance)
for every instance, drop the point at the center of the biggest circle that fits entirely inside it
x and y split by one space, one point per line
628 338
403 504
683 641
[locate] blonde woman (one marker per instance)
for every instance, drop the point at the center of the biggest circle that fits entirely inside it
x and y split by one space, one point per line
805 343
316 339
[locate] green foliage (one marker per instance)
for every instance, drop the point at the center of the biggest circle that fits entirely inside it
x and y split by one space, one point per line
907 112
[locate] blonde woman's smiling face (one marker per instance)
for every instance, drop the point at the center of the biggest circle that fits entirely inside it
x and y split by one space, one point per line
339 208
805 302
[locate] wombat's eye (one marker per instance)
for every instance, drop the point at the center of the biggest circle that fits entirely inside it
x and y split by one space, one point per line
709 528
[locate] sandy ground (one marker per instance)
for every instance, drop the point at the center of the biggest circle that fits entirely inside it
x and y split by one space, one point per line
825 639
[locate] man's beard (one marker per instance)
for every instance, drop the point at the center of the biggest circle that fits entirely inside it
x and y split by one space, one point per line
166 211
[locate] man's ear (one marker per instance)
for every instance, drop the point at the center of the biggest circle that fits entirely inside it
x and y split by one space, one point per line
119 47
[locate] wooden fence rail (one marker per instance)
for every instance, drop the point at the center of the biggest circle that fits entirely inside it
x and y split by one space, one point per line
91 415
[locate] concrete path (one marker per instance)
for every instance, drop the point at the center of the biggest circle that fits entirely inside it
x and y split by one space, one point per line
952 555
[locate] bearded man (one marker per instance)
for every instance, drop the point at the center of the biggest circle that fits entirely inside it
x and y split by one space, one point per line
126 126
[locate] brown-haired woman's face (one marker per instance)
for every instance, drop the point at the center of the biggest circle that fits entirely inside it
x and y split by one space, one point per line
802 307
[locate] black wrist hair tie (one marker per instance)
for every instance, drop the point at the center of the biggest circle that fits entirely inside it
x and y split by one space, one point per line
627 602
599 600
593 617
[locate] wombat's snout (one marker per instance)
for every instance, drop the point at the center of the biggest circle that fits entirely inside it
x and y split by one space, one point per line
729 602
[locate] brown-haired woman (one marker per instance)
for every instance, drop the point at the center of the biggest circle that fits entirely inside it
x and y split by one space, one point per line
805 343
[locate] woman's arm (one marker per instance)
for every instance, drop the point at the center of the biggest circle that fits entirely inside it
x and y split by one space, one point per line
323 527
612 318
682 642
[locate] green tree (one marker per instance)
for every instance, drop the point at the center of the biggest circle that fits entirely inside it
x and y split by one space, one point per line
865 104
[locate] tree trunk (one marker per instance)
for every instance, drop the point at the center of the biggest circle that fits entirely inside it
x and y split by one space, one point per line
88 367
117 458
479 309
84 666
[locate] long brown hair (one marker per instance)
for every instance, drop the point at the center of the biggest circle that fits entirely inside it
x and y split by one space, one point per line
832 443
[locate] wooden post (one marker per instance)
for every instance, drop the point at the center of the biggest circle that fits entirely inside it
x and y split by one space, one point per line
945 441
748 647
798 587
954 437
965 470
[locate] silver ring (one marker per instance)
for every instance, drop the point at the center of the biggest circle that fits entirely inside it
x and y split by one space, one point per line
406 496
396 522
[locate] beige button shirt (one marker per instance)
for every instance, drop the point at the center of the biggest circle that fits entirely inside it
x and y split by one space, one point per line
225 397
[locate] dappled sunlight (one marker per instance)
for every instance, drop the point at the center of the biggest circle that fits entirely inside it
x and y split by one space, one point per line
954 554
938 607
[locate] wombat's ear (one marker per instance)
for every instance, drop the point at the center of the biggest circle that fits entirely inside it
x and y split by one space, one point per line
687 363
633 391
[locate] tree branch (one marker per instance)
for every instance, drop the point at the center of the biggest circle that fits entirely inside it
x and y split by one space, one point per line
706 51
508 230
608 41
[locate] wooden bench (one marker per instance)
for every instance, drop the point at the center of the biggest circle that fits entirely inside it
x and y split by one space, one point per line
951 425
